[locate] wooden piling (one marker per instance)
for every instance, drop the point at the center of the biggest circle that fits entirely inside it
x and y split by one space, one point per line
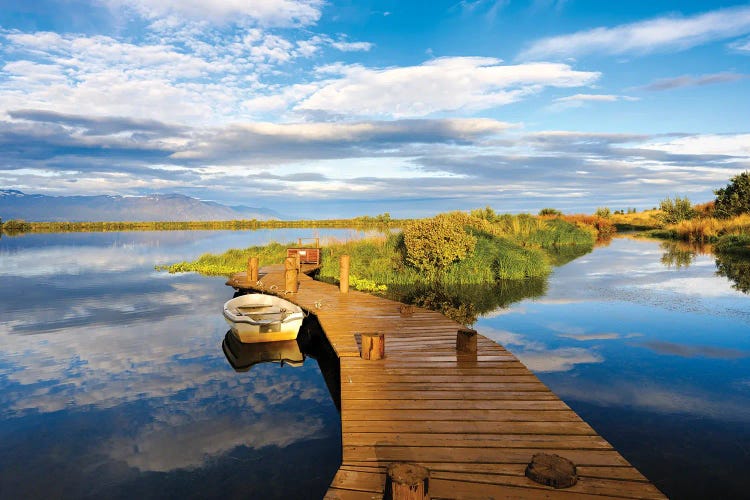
291 275
406 481
466 341
373 346
344 274
252 269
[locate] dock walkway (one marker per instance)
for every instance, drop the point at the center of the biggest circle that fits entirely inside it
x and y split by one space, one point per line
473 421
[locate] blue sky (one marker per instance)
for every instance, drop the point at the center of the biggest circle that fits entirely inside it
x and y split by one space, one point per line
342 108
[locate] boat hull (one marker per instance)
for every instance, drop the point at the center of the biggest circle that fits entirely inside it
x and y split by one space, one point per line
262 318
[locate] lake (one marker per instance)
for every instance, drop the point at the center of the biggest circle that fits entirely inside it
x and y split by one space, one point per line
649 346
113 381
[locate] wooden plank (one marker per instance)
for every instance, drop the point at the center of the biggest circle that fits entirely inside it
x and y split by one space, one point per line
452 404
494 395
344 494
550 441
378 453
461 415
358 480
585 486
468 427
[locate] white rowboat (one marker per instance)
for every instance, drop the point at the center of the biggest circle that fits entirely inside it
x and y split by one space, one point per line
257 317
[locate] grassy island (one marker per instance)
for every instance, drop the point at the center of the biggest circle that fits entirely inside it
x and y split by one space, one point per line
451 262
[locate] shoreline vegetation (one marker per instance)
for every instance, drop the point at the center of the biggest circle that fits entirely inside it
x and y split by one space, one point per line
15 227
461 264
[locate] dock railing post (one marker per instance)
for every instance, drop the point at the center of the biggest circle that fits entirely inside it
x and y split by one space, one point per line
291 274
406 481
252 269
466 341
373 346
344 274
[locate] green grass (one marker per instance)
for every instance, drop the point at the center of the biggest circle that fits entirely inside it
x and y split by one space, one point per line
231 261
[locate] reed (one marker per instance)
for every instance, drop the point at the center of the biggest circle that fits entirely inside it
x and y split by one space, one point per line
706 229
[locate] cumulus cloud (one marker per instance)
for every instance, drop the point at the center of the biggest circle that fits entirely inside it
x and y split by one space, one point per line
450 84
662 33
190 76
692 81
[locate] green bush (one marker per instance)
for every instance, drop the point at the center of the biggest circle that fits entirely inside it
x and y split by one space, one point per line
677 210
434 244
734 199
604 212
550 212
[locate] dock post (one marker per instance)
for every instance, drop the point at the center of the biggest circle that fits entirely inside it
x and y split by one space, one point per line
373 346
298 261
466 341
290 274
344 274
406 482
252 269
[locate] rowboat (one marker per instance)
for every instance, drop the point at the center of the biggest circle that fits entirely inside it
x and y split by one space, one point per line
257 317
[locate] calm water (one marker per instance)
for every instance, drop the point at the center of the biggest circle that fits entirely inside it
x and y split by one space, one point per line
113 382
652 348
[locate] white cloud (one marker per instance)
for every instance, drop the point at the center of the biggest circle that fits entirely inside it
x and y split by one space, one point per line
190 81
263 12
441 85
741 45
577 100
345 46
692 81
707 144
663 33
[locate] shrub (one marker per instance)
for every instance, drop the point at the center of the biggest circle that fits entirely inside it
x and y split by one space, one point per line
549 212
434 244
603 212
677 210
734 199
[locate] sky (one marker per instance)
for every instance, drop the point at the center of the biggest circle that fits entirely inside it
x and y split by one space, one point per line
341 108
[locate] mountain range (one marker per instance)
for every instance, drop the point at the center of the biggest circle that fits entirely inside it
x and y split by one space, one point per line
15 204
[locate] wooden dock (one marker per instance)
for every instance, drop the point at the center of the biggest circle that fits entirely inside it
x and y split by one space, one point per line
473 420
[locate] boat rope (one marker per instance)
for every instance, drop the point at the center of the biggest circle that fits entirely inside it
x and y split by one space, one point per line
273 287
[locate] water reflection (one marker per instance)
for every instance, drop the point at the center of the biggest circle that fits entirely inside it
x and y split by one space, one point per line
242 357
736 268
112 381
649 345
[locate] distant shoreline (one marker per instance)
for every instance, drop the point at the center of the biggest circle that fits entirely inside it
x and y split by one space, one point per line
13 227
